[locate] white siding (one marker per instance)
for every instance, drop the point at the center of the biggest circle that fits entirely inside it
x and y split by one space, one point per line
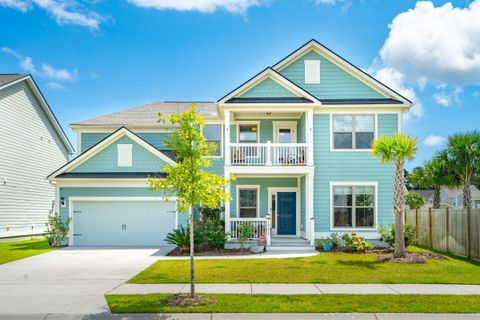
30 149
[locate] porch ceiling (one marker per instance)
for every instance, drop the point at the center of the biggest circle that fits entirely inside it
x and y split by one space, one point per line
266 115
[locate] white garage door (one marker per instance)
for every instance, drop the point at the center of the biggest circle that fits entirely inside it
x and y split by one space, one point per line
122 223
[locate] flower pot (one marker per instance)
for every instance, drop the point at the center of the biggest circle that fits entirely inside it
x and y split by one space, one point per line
327 247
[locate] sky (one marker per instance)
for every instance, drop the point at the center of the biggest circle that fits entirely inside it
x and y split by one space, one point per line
93 57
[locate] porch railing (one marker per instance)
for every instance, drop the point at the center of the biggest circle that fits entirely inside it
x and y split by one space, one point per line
268 154
260 227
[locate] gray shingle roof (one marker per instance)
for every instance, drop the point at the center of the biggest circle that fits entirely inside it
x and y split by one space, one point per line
147 115
7 78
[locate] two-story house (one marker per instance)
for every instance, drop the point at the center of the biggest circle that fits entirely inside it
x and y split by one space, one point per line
297 136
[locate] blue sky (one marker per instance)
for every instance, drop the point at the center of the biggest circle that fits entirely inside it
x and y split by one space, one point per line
93 57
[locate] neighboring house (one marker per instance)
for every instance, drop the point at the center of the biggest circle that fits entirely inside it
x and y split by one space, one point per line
297 136
454 197
427 196
32 144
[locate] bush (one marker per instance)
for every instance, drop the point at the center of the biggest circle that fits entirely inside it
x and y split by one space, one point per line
208 213
387 234
214 233
356 242
245 232
414 200
336 240
57 230
179 237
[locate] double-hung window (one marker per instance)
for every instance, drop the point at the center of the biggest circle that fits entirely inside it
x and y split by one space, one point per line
213 135
247 202
354 206
353 131
248 133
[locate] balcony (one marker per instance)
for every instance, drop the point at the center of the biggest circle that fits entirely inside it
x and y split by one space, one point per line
268 154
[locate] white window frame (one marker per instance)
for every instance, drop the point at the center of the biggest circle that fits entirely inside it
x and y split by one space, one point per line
248 187
311 64
375 131
221 138
254 123
354 184
124 155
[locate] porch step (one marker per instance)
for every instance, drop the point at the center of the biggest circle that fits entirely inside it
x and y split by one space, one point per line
290 244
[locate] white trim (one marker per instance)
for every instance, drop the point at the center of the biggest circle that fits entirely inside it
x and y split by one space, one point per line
275 190
124 154
368 235
248 186
343 64
292 125
310 208
309 137
96 182
293 170
79 143
134 129
46 108
312 64
105 143
354 184
73 199
375 131
275 76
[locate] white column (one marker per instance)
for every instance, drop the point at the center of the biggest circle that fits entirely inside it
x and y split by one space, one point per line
309 135
227 137
227 203
310 208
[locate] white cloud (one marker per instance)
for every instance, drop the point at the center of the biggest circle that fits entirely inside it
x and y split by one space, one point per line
445 98
55 86
206 6
27 65
434 141
442 99
436 43
63 11
58 74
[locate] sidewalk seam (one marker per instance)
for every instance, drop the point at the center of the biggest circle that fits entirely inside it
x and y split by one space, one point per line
388 286
318 288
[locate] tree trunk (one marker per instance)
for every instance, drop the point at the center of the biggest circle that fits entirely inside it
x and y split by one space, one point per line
467 194
192 248
436 197
399 200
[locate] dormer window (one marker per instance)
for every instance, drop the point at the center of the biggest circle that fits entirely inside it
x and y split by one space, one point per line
312 71
124 152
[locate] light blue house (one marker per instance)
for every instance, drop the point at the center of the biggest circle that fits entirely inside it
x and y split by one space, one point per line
297 136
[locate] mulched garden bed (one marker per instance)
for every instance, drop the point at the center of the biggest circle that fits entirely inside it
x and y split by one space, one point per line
177 252
413 257
348 250
184 300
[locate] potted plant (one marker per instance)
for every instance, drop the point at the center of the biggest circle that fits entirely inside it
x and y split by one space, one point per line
324 244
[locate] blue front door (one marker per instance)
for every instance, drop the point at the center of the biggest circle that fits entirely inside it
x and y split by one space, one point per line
286 212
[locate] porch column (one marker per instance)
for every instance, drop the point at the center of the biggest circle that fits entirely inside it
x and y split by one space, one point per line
310 208
309 135
227 204
227 136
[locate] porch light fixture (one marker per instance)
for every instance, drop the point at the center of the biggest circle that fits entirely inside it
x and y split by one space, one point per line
268 113
62 201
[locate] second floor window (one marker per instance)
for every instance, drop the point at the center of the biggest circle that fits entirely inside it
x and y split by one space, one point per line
353 131
248 133
213 134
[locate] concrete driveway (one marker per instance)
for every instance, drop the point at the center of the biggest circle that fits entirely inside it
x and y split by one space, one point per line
70 280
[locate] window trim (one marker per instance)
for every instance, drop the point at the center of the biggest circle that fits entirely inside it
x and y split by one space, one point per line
353 114
248 187
311 62
354 184
123 161
222 140
255 123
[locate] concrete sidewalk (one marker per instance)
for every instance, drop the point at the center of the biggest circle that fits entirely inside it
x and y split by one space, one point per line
245 316
300 288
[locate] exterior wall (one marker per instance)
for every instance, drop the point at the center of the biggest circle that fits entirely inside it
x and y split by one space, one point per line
106 160
30 150
303 204
268 88
351 166
156 139
335 83
67 192
264 184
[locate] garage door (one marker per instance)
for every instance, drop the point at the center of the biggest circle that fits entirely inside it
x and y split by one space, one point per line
122 223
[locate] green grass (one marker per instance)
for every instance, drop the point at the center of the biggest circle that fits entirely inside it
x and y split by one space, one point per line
325 303
16 250
322 268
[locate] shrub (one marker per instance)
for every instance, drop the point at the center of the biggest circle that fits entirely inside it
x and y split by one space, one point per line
208 213
336 240
356 242
245 232
57 230
387 234
179 237
414 200
215 234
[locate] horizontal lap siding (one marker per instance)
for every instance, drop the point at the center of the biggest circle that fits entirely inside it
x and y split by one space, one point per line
156 139
30 150
268 88
264 183
335 83
349 166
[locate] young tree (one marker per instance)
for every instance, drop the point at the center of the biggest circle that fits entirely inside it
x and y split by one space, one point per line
414 200
189 180
396 148
464 153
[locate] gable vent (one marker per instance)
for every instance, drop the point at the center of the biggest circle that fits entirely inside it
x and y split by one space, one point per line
312 71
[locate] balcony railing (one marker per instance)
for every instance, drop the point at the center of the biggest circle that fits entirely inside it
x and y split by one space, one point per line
258 226
268 154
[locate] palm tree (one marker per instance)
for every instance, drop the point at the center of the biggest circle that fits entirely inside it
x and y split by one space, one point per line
436 172
464 151
397 149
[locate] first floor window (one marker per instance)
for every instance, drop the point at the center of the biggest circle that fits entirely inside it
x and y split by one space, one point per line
353 206
213 135
247 203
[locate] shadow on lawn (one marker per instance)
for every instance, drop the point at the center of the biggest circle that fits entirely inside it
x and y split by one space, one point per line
40 244
370 265
452 256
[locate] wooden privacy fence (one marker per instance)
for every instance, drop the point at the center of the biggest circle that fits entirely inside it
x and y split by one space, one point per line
450 230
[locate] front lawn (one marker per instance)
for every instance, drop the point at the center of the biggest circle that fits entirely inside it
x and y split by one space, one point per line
323 303
322 268
16 250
